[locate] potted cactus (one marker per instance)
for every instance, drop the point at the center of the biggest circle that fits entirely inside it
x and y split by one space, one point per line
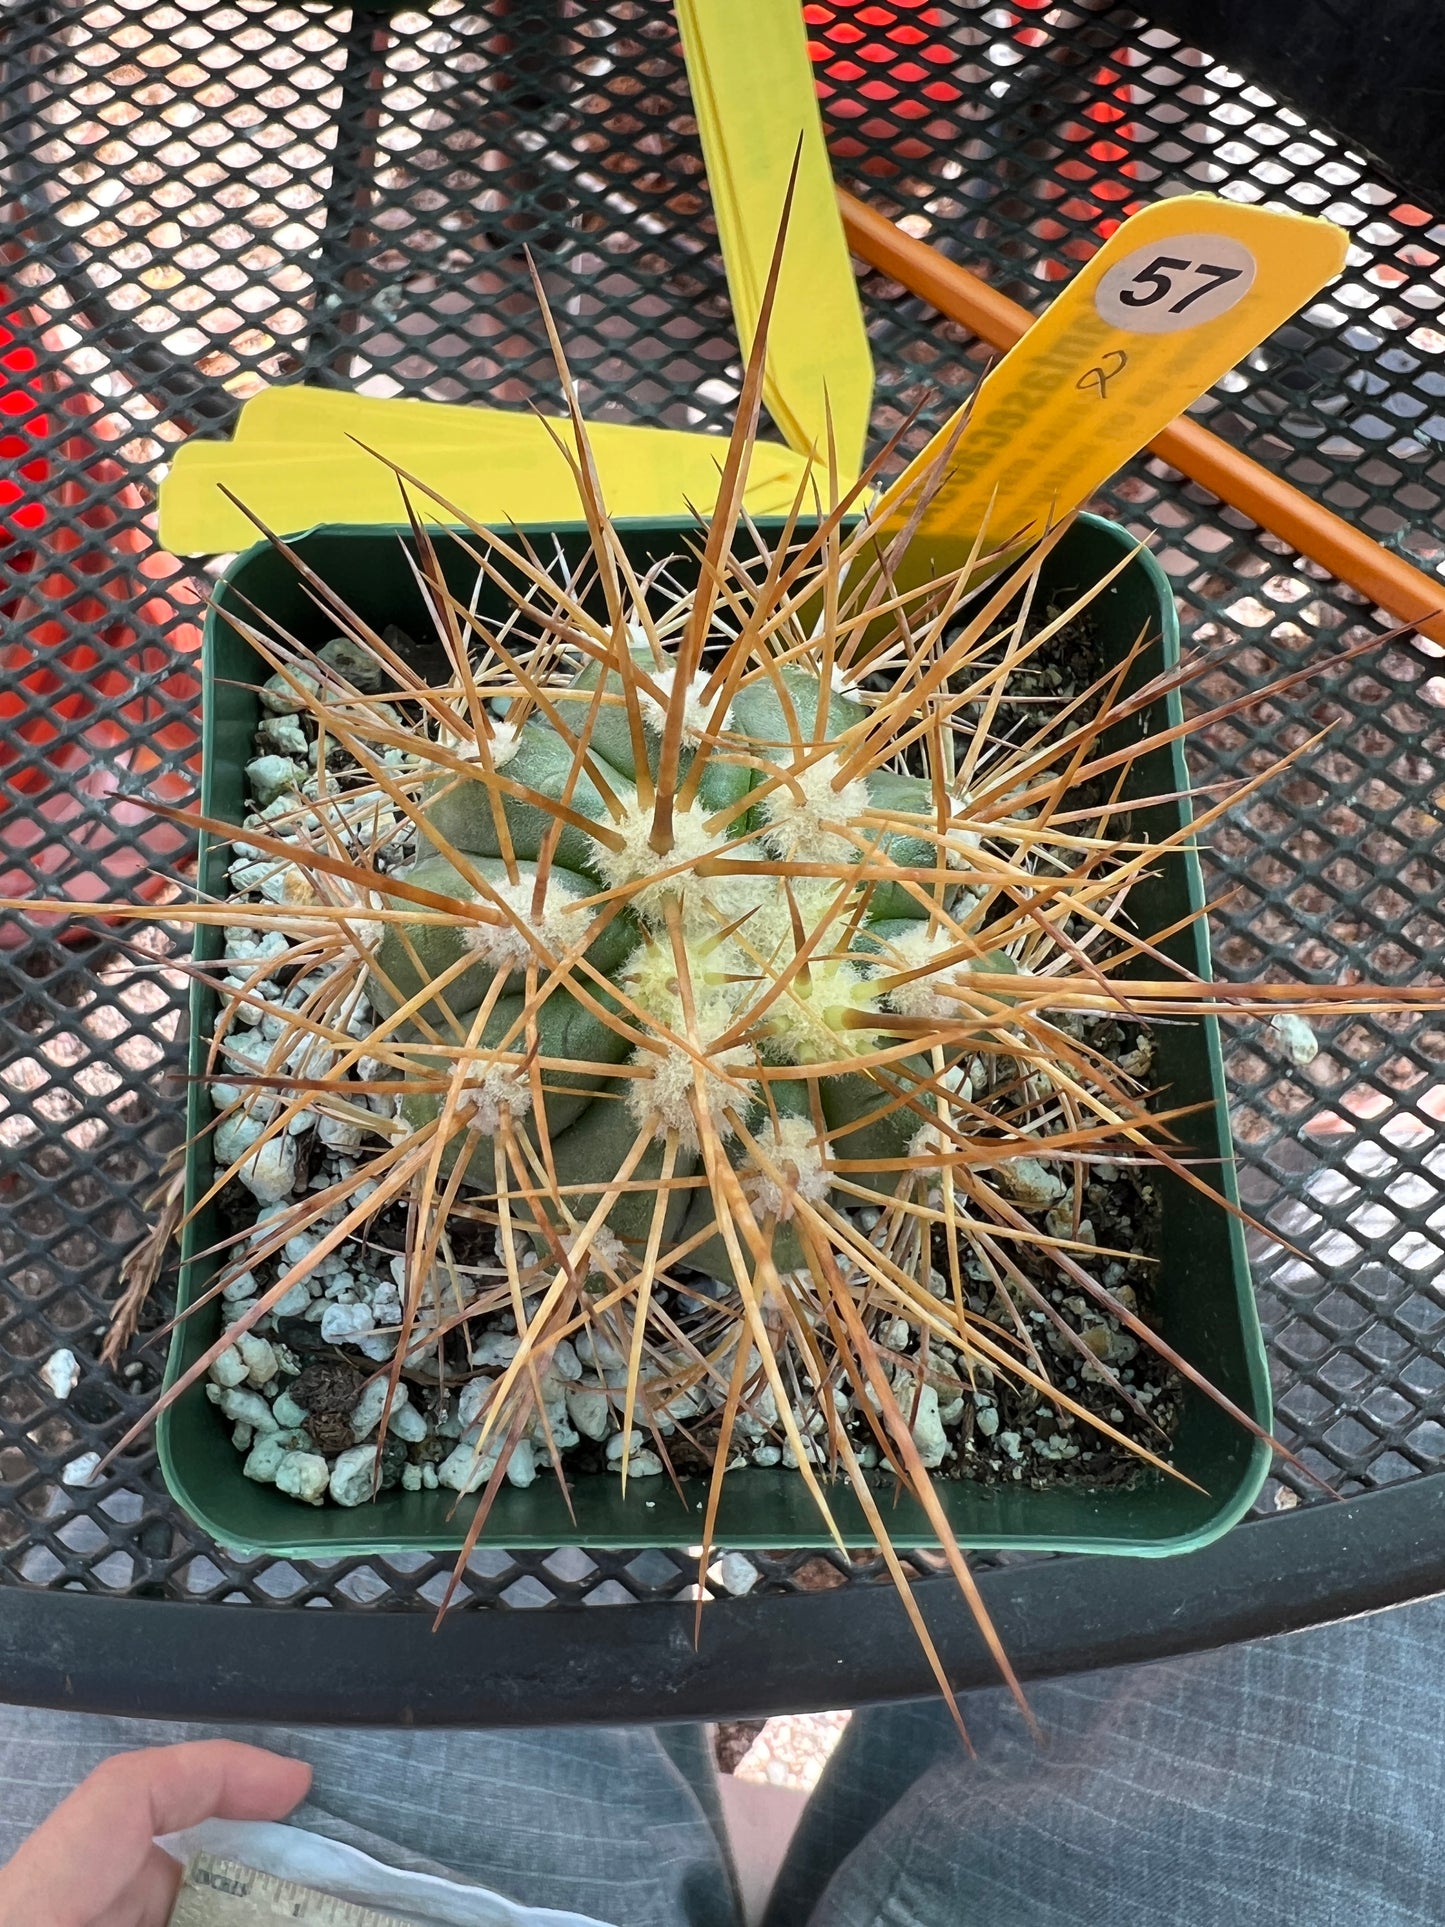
667 1028
702 1034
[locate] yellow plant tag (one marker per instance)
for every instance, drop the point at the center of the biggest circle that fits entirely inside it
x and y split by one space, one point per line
293 465
754 95
289 412
1179 294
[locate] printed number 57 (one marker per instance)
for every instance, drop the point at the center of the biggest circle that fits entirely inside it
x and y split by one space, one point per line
1156 282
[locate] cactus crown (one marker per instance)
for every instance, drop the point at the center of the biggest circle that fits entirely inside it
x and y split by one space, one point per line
708 968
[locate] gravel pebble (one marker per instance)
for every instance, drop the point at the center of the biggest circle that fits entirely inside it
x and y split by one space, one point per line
736 1574
303 1475
235 1136
259 1358
928 1433
248 1408
269 1174
353 1476
340 1322
465 1471
1297 1036
287 1413
496 1349
268 1451
590 1411
295 1303
366 1413
270 777
407 1424
1029 1183
229 1369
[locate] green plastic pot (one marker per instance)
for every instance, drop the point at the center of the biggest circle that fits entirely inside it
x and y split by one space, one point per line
1203 1304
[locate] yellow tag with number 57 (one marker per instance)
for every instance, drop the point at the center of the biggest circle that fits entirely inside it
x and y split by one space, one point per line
1177 295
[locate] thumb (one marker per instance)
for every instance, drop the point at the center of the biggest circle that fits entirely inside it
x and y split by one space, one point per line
216 1780
99 1839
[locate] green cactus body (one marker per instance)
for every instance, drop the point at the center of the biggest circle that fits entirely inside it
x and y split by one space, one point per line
743 888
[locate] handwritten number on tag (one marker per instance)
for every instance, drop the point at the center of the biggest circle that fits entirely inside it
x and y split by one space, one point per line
1112 363
1157 282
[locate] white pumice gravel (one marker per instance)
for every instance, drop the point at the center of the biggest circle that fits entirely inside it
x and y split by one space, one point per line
286 1412
304 1476
229 1368
564 1361
473 1399
353 1475
928 1433
235 1136
407 1424
495 1350
1030 1183
339 1133
366 1413
258 1357
590 1411
736 1574
269 1174
464 1470
82 1470
1296 1035
340 1322
247 1408
265 1456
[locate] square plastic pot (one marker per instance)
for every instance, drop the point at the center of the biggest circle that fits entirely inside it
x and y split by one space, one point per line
1203 1304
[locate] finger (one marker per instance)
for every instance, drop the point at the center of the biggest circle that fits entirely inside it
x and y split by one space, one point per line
98 1839
216 1780
148 1899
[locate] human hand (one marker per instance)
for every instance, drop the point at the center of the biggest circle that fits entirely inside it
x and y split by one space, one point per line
94 1862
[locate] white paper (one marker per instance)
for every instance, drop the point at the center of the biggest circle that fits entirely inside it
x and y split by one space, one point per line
348 1874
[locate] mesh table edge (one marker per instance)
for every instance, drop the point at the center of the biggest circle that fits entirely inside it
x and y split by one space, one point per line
756 1658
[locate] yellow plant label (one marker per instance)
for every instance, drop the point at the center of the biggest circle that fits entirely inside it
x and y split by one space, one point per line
754 95
1179 294
294 463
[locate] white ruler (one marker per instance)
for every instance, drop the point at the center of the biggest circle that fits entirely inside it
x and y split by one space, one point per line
223 1893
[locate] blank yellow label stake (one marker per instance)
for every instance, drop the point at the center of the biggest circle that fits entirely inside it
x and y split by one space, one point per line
294 463
754 95
1178 295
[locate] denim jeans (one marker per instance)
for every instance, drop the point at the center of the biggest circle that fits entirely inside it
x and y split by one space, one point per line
1298 1780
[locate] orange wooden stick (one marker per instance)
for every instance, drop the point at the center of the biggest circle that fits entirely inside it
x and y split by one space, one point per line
1387 579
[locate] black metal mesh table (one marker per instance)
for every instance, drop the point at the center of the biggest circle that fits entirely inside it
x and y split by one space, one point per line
204 197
